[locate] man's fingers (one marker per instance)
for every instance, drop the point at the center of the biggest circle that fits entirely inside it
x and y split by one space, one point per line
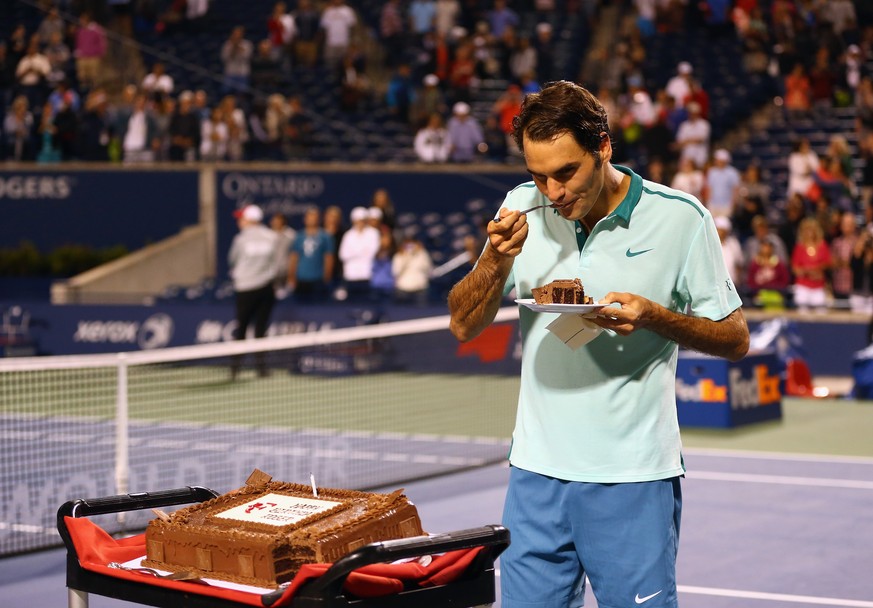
509 221
510 242
508 232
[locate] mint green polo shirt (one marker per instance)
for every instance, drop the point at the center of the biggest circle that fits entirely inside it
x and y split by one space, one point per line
607 412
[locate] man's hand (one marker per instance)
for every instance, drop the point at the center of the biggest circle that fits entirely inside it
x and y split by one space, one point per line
634 312
727 337
508 233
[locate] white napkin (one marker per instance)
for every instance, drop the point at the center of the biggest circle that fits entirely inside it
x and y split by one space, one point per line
574 330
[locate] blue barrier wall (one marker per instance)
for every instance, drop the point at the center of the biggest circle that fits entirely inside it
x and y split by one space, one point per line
114 206
96 208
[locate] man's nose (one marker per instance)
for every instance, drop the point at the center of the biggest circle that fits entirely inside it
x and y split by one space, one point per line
554 190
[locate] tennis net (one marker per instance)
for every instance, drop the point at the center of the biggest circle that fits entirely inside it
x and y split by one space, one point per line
361 408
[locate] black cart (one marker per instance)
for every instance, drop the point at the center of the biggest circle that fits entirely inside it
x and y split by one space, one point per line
475 587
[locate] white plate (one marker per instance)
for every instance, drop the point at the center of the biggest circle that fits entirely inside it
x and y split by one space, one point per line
560 308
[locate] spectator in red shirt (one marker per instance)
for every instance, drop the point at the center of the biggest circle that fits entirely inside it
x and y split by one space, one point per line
768 277
810 263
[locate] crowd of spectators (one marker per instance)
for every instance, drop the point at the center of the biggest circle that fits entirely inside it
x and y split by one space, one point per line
57 106
807 244
366 260
56 103
451 44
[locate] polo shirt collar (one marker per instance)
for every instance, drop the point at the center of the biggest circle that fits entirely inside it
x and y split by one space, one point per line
626 207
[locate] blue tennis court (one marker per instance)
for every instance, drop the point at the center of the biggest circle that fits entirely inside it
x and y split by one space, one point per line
760 529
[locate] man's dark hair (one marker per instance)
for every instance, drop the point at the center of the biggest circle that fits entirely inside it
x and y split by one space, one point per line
562 107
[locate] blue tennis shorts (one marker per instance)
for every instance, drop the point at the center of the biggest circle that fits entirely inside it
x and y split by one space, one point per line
623 536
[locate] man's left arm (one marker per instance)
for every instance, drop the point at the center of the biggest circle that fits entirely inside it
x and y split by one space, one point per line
728 337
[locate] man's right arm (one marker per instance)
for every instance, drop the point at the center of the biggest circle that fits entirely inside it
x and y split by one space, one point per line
475 300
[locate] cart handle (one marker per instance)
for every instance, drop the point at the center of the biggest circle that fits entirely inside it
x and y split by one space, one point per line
496 537
86 507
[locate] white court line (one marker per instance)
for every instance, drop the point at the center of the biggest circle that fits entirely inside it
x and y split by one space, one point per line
767 597
782 480
761 455
187 425
774 597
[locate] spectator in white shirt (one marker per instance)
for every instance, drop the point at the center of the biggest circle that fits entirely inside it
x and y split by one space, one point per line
432 142
357 251
158 82
140 141
337 21
802 164
693 136
722 184
689 179
31 74
730 249
411 267
214 136
679 86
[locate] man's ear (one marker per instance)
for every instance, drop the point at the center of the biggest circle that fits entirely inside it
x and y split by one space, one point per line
605 148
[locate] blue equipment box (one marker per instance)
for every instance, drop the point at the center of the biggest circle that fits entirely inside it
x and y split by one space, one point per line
714 392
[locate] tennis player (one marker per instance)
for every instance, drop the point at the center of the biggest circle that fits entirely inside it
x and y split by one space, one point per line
596 454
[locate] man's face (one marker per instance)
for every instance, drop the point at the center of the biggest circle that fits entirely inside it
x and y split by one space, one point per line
311 219
567 175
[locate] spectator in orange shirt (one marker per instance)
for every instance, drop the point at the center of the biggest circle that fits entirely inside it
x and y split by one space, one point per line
507 107
798 91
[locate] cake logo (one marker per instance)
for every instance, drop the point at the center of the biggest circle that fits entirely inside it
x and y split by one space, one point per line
278 509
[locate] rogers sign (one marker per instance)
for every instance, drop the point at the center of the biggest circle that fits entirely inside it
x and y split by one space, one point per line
23 187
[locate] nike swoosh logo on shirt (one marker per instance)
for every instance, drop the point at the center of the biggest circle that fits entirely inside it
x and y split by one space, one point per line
632 254
641 600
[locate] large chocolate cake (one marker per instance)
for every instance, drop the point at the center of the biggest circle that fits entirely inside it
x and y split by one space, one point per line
262 533
561 291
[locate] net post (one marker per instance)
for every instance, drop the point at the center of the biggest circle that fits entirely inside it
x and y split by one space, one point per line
122 438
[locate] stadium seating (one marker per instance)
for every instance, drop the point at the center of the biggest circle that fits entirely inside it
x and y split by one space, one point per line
371 133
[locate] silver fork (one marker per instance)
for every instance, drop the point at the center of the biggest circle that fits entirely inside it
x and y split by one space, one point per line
173 576
526 211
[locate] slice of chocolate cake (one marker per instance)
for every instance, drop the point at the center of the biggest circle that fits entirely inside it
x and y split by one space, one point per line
561 291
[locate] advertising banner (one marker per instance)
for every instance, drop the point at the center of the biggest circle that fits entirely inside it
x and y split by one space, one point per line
65 330
712 392
95 208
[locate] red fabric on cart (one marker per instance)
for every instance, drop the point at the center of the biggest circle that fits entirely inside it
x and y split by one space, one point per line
449 566
95 549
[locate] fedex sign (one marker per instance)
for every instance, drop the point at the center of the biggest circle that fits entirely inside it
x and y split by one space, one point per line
759 390
705 390
717 393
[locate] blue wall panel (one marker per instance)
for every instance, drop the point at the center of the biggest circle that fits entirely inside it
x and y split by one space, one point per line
96 208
